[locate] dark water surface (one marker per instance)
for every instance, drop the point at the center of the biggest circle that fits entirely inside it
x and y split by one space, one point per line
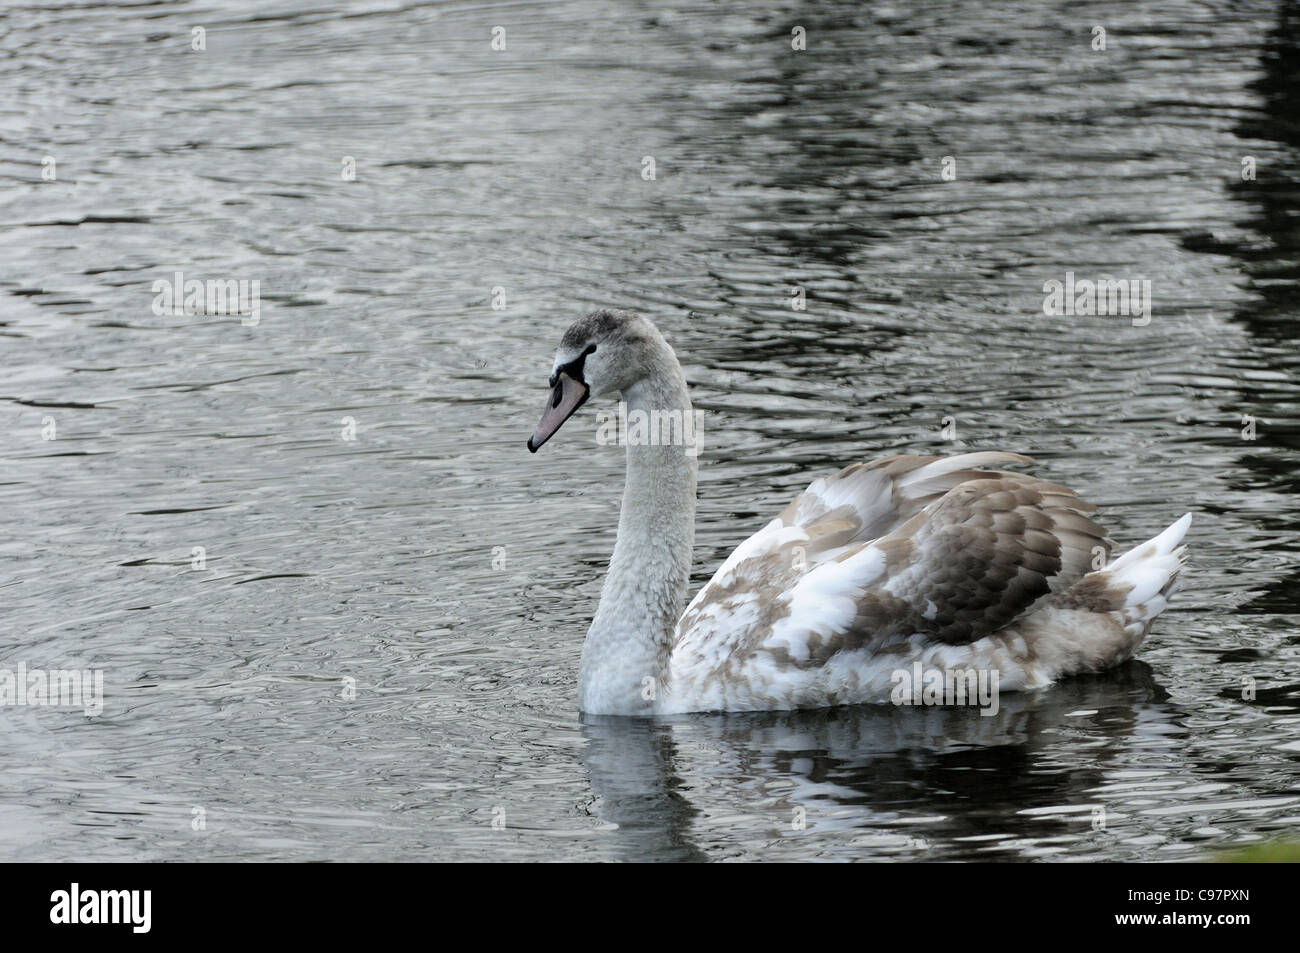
377 559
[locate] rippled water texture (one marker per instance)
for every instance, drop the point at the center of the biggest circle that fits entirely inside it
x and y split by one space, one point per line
451 575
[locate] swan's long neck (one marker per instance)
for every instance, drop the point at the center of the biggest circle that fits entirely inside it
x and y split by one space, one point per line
625 657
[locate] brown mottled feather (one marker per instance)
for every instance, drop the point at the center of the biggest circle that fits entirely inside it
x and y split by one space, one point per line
983 556
982 546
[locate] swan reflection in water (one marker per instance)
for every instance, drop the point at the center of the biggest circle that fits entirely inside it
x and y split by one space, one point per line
688 787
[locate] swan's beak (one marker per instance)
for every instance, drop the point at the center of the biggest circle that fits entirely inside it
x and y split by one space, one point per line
567 397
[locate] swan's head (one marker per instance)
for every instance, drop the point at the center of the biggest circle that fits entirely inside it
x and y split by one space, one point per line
602 354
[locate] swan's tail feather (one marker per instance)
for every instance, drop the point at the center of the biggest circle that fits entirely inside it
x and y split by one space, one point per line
1142 580
1101 620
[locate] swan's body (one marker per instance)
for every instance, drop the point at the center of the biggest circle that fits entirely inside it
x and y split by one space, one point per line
904 560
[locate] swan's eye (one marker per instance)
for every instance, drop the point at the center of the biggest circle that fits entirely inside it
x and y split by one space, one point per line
574 367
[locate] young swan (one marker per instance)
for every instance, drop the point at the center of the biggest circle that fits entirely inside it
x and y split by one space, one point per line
906 563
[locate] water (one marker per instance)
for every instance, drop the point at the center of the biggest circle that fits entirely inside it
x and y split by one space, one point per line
377 559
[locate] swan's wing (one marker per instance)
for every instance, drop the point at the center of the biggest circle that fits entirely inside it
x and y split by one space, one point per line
793 566
867 500
979 558
814 582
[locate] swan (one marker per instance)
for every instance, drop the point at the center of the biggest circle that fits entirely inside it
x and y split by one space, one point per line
907 562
